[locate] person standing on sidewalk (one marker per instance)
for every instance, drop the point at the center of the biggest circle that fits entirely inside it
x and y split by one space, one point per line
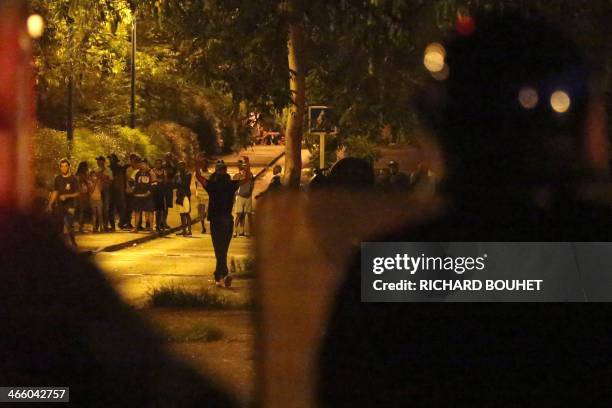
65 192
159 194
170 167
143 197
130 171
244 200
83 207
118 199
201 193
221 191
182 183
106 178
95 196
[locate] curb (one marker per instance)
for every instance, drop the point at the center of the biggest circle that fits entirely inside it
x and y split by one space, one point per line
155 235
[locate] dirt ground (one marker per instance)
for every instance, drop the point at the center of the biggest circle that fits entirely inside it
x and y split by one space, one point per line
230 361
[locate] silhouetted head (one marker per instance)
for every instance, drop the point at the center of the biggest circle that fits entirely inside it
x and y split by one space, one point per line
393 167
82 168
220 167
511 113
277 170
351 172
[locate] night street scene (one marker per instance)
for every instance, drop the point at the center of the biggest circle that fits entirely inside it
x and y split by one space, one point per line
290 203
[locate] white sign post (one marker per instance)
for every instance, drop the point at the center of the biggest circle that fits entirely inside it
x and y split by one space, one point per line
319 122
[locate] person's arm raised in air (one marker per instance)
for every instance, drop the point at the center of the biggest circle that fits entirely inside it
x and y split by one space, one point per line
198 174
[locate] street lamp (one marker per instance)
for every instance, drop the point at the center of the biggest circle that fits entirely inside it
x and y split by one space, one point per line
133 76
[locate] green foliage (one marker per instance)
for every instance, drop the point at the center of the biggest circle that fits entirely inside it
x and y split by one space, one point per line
204 298
51 145
181 141
363 148
242 269
331 147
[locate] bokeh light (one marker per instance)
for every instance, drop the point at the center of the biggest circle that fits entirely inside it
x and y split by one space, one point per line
528 98
441 75
435 55
36 26
560 101
465 24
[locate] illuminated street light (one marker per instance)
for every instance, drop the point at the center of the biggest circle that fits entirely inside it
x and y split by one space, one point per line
36 26
560 101
434 57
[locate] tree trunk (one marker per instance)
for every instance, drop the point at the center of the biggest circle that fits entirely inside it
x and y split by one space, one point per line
297 86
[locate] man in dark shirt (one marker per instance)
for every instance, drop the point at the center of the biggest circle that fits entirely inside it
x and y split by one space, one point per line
118 199
221 192
65 191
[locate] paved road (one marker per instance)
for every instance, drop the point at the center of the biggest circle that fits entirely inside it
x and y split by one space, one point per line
187 262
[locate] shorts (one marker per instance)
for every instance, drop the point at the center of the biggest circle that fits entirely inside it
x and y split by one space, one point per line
184 207
143 204
243 205
201 210
68 214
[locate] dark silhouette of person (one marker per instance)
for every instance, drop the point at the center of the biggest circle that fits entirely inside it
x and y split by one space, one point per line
513 168
64 325
351 172
221 192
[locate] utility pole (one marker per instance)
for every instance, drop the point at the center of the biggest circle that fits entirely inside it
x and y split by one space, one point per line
133 85
70 108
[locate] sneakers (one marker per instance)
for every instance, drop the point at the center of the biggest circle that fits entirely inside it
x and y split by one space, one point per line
219 283
227 281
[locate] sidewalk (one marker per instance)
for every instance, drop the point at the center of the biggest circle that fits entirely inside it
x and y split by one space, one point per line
260 157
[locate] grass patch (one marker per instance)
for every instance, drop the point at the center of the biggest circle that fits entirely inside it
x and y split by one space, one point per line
242 269
205 298
201 332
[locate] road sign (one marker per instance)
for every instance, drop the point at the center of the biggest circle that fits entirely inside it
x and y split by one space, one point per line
320 122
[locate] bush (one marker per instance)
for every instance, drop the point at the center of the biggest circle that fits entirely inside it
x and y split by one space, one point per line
179 140
361 147
331 146
244 269
51 145
204 298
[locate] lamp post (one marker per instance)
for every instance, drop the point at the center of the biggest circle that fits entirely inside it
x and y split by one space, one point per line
133 76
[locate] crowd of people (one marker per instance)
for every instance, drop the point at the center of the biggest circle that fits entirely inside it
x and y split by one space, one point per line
137 196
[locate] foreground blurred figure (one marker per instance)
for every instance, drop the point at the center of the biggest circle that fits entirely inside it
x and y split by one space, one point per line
516 156
63 324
